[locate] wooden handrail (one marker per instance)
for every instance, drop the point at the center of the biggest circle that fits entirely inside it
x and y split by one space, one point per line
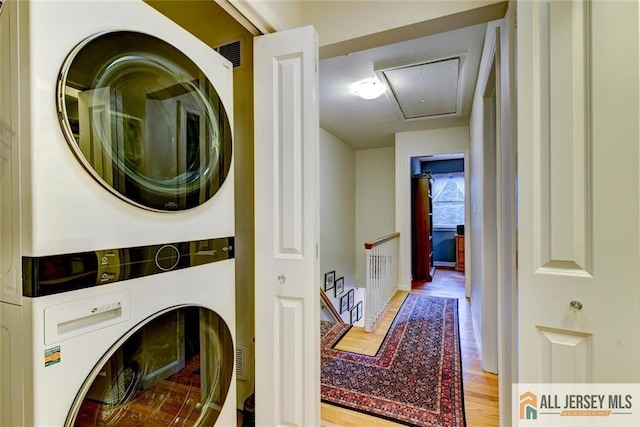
330 306
373 243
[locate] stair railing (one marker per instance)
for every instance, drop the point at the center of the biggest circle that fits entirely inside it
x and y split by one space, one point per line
381 277
326 301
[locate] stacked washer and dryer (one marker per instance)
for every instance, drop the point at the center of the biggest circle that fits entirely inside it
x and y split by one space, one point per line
116 219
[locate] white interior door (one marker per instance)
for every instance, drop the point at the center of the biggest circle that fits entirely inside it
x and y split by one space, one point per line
286 253
578 196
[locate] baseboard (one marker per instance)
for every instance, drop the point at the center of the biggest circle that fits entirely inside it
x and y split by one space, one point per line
476 334
406 288
444 264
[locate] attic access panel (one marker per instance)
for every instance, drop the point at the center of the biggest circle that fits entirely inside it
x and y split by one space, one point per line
426 89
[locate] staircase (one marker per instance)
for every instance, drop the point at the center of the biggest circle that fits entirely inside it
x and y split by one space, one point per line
342 304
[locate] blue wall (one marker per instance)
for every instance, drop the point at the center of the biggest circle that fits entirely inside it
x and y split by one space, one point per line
443 166
444 245
416 166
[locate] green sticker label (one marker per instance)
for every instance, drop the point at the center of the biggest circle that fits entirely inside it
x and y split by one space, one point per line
52 356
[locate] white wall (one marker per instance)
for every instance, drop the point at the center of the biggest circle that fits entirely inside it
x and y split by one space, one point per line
349 26
474 230
414 144
337 208
287 11
375 201
339 20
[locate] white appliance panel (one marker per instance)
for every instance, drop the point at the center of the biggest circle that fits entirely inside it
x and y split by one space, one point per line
63 208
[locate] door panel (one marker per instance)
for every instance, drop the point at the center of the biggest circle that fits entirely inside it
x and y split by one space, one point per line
289 156
286 189
578 192
562 178
566 356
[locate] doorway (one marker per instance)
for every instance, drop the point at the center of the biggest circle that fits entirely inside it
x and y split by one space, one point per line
446 213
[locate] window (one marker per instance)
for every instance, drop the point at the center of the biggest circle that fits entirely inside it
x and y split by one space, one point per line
448 199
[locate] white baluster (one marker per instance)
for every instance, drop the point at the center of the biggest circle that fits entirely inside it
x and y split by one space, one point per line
381 278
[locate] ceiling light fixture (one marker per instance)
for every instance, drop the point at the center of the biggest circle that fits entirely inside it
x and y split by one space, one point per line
368 88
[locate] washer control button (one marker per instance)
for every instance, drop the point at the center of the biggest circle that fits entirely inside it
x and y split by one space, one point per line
167 257
107 276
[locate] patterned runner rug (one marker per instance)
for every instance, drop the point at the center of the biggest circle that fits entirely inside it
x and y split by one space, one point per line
415 378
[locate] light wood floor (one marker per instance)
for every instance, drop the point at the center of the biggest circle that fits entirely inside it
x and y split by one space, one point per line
480 388
368 343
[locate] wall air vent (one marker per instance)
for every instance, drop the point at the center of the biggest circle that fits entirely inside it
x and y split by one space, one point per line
241 362
233 52
425 89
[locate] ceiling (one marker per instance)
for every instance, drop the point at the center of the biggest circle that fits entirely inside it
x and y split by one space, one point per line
364 124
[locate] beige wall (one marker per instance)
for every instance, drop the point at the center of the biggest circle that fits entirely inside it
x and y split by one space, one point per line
353 185
375 201
288 11
349 26
244 215
339 20
337 208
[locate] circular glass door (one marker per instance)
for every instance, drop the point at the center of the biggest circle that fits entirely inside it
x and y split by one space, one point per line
175 369
144 120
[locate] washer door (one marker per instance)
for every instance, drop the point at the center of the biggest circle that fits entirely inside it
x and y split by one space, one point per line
174 369
144 120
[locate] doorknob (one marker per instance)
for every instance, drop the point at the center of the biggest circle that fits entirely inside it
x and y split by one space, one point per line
575 306
282 278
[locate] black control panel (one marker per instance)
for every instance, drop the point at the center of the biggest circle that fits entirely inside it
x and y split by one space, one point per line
54 274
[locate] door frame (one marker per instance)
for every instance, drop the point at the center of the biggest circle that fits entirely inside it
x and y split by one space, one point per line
488 332
506 204
465 158
404 152
500 289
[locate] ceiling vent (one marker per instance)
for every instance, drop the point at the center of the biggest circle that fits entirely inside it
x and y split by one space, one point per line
233 52
426 89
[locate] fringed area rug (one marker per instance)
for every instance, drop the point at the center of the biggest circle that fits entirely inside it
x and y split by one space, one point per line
415 378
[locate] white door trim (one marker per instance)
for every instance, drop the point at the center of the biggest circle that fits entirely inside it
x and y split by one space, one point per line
506 213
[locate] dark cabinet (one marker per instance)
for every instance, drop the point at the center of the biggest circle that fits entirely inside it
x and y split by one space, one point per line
422 228
459 253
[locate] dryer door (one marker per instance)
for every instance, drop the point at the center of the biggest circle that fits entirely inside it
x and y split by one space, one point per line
144 120
174 369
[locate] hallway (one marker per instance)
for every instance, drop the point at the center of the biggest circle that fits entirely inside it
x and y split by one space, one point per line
480 388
